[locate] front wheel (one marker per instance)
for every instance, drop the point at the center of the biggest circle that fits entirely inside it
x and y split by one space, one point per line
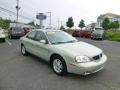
59 65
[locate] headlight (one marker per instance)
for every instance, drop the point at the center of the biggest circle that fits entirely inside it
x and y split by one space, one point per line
82 59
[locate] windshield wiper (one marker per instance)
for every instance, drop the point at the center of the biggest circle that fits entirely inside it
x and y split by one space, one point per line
58 42
72 41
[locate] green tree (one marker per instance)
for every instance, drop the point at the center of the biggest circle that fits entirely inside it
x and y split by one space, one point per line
4 23
112 25
106 24
70 22
116 25
81 24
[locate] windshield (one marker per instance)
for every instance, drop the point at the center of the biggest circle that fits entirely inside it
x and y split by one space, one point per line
57 37
99 31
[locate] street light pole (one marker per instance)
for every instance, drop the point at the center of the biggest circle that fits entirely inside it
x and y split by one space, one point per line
50 18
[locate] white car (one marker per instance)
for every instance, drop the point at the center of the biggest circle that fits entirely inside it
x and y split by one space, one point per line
63 52
2 35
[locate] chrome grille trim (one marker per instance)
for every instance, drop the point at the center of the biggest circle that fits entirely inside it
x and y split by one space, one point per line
97 57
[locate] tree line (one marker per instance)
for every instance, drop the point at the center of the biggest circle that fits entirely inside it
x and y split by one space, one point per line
107 24
70 23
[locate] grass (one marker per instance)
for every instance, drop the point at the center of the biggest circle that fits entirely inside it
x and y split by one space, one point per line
112 35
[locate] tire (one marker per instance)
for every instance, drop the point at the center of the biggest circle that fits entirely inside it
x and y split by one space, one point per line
58 65
101 39
91 38
3 40
23 50
10 37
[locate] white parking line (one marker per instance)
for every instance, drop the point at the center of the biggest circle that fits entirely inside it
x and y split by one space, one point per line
8 42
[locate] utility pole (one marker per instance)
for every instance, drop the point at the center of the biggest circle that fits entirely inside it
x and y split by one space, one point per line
58 24
50 18
17 8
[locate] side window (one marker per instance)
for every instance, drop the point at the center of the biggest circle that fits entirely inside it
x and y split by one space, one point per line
31 35
40 36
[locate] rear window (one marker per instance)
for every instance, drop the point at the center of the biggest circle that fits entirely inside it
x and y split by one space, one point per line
17 29
98 29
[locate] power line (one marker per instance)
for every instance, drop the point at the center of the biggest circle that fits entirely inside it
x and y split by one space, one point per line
13 13
5 5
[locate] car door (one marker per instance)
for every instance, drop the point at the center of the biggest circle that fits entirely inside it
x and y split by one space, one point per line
41 49
29 42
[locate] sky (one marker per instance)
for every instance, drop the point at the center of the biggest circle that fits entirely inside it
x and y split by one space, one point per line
88 10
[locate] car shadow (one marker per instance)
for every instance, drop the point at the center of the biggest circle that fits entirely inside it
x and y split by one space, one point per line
68 75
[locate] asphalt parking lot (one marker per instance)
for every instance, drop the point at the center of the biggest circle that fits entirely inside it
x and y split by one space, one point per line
19 72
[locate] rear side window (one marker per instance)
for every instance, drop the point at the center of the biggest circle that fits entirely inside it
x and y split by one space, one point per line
31 35
40 36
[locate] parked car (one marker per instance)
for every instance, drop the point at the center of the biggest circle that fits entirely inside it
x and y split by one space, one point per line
27 29
76 33
63 52
86 34
98 34
81 33
15 32
2 35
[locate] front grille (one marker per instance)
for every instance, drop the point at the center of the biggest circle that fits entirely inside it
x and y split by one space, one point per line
97 57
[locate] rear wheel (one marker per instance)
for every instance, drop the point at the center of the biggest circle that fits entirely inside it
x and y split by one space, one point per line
91 38
23 50
58 65
10 37
101 39
3 40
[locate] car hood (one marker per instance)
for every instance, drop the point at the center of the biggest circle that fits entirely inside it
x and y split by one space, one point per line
79 48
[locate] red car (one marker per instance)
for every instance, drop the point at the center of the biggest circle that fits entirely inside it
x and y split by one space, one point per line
77 33
27 29
86 34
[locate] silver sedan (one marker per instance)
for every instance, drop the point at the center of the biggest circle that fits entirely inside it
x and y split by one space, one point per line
63 52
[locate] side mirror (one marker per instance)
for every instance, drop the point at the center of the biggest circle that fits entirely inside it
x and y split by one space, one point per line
43 41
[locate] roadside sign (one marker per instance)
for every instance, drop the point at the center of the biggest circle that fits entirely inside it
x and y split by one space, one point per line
41 16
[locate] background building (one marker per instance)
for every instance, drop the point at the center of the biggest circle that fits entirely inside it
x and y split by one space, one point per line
112 17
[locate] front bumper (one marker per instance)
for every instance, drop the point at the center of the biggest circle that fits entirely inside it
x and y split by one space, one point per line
87 68
97 36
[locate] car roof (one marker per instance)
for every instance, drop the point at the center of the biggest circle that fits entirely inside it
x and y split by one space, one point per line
45 30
